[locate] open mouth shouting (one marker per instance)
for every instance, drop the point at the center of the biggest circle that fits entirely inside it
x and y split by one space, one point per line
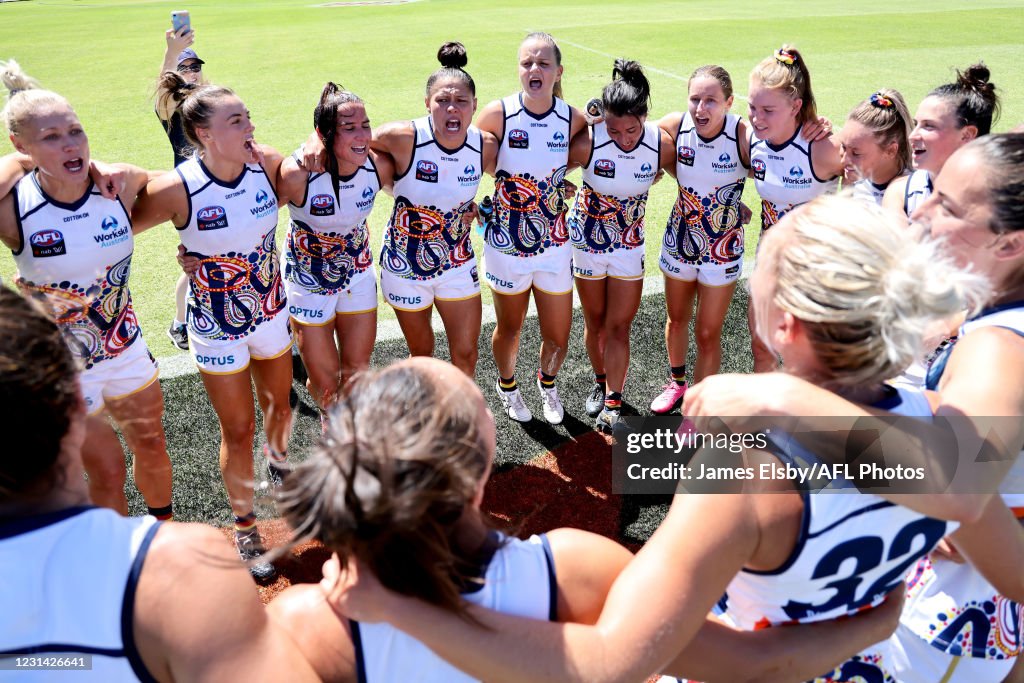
74 165
453 125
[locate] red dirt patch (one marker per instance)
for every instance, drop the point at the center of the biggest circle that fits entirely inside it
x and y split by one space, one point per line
568 487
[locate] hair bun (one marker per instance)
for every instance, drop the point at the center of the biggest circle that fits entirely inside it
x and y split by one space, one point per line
627 70
14 78
452 55
975 77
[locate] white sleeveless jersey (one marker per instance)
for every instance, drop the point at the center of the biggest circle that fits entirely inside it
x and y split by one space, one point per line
919 188
871 192
951 605
704 226
529 182
69 589
428 232
328 242
230 229
608 212
76 259
852 550
784 177
520 580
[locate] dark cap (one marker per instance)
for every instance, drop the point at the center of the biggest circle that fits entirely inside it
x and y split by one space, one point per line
188 53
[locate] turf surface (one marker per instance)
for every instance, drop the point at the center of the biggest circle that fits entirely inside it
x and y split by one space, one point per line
277 55
568 487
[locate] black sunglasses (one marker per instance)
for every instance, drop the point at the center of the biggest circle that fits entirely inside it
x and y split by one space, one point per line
190 68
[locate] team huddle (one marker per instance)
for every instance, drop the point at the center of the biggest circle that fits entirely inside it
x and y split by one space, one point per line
901 295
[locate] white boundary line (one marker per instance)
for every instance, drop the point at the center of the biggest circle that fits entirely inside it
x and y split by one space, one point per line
389 330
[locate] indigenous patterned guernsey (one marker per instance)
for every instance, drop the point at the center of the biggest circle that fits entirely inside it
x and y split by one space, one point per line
529 200
949 605
853 548
784 176
230 229
608 213
704 226
328 242
77 258
428 232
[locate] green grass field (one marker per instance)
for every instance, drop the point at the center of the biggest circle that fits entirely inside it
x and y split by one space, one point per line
278 54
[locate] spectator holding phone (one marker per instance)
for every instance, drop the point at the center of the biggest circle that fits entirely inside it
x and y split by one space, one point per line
183 60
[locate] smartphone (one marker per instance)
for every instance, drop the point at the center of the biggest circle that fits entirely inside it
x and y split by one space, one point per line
180 20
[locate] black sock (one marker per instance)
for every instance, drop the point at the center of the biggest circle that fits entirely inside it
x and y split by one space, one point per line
507 384
164 514
679 374
547 381
600 379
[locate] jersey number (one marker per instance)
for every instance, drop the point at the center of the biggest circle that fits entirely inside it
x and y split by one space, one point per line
866 553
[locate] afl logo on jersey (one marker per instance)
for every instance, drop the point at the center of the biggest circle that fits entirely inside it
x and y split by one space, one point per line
604 168
518 139
426 171
47 243
321 205
759 168
211 218
686 155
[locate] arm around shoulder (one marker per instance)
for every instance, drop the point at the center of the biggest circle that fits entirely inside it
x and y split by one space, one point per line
827 158
667 153
291 181
578 124
13 168
161 199
580 149
995 546
492 119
